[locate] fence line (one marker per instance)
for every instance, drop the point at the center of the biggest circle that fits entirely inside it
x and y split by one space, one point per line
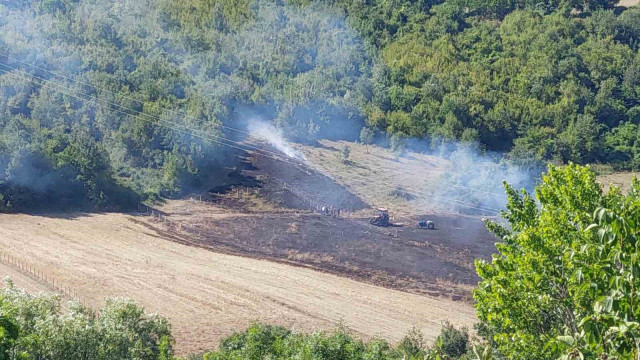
50 281
313 205
316 206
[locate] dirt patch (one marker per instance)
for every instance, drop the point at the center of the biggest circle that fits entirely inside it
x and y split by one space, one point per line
434 262
207 295
620 179
268 213
277 174
628 3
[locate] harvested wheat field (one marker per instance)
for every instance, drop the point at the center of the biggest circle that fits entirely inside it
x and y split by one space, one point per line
621 180
628 3
22 280
207 295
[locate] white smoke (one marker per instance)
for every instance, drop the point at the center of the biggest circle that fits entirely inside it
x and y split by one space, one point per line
263 130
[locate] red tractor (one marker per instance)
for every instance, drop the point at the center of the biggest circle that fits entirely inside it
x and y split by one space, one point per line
381 218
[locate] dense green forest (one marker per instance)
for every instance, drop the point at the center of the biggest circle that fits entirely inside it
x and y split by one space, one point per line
533 79
563 285
100 100
119 89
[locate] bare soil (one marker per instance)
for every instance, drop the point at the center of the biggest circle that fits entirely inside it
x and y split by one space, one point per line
207 295
618 179
402 257
257 215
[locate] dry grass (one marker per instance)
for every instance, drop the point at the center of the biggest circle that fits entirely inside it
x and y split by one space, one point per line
628 3
207 295
380 179
370 174
619 179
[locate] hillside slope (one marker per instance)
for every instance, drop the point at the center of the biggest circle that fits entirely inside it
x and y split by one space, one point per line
207 295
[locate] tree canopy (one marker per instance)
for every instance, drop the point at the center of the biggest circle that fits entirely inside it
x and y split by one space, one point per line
564 283
36 327
92 92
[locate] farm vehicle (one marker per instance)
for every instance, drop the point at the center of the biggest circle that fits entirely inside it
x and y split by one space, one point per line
381 218
426 224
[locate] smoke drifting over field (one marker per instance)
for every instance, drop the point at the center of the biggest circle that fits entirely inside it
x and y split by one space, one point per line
473 183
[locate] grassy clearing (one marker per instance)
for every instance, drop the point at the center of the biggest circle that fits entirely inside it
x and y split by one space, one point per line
618 179
379 178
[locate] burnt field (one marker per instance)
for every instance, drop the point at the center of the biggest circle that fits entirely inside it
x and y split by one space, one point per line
254 215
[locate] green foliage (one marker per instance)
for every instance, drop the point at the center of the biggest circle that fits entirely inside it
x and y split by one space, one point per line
272 342
624 146
366 137
564 282
122 331
533 79
8 335
38 327
197 63
453 342
540 83
344 153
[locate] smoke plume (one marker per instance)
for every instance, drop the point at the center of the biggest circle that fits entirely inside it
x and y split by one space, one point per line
265 131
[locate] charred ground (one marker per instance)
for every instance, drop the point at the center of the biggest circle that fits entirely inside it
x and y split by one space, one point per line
254 215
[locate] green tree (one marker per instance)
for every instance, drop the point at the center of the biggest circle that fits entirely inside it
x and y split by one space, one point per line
453 342
564 282
344 153
122 331
366 136
8 336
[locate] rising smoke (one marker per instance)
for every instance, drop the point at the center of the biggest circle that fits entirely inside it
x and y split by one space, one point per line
312 73
263 130
473 182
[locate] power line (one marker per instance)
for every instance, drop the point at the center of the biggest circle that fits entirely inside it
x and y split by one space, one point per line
123 112
208 136
204 134
455 201
190 117
115 94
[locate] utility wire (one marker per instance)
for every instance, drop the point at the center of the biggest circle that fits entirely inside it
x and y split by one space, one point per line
114 93
156 118
188 116
161 122
191 117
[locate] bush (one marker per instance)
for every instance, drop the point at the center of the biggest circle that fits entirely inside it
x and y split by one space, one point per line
273 342
344 153
44 331
453 342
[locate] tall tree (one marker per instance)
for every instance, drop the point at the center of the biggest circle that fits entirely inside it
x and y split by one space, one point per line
565 281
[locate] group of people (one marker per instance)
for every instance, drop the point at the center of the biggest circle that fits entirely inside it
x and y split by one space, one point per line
330 211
